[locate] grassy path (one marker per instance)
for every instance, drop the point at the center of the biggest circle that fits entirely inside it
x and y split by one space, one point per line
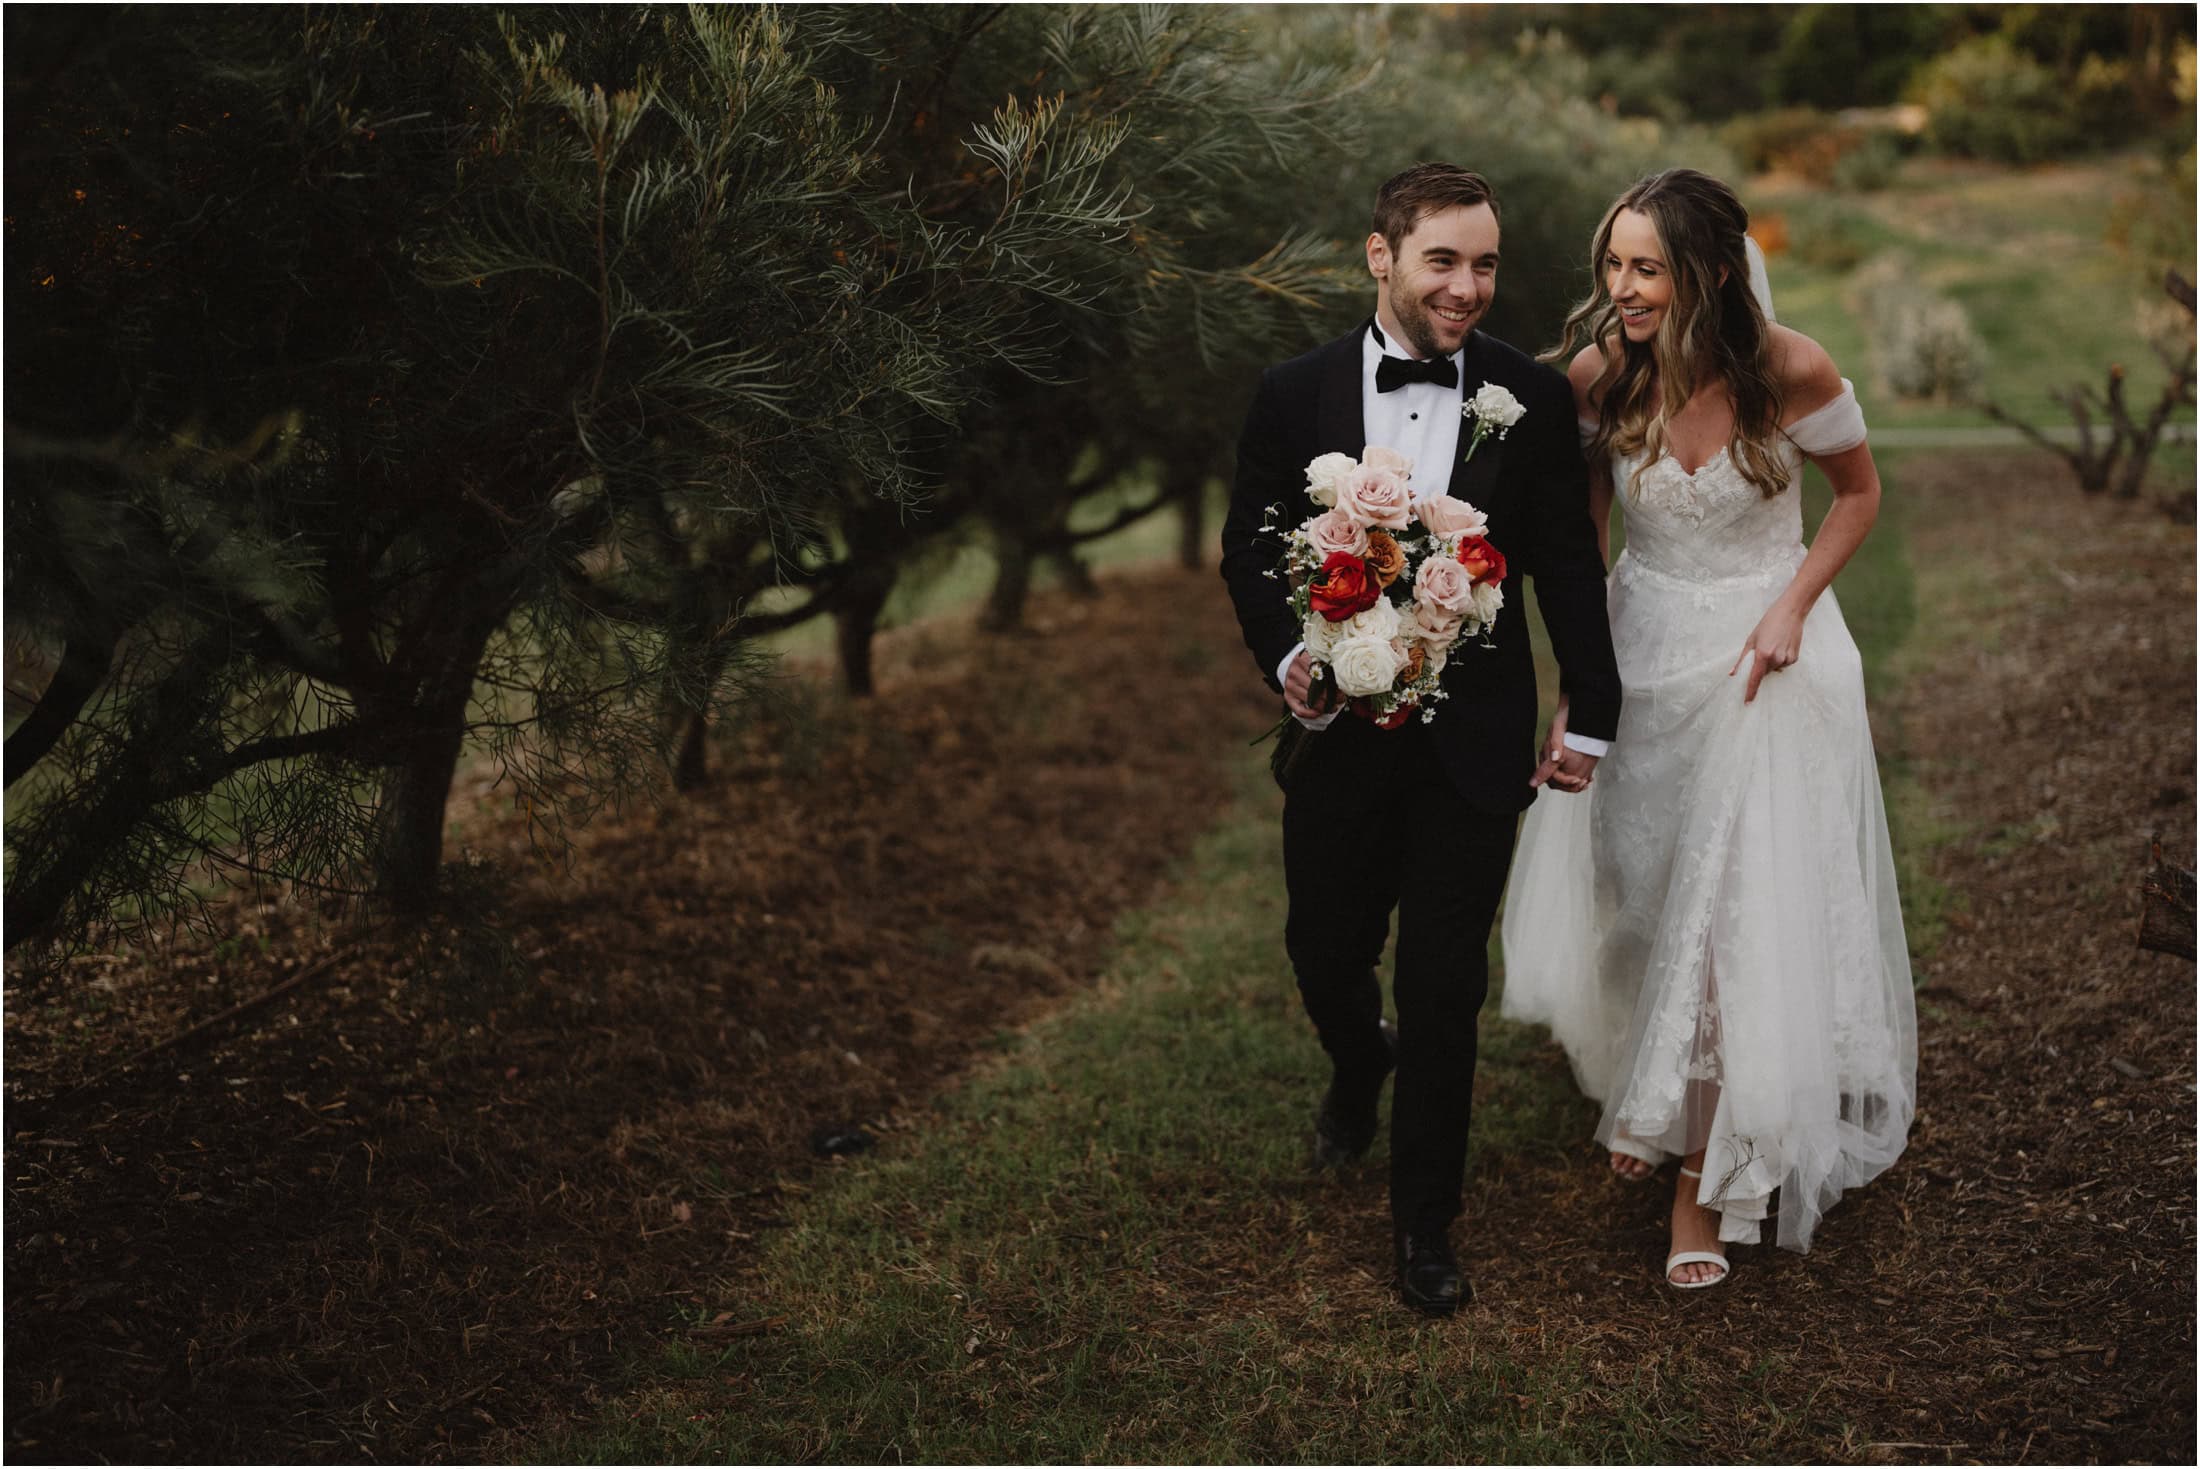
1108 1246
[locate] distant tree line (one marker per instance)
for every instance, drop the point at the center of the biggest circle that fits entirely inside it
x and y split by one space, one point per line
2098 73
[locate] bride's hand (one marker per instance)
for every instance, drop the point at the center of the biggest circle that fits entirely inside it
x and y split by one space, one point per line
1775 644
1553 746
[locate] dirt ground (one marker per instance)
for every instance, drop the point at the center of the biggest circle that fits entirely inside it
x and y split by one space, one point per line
433 1193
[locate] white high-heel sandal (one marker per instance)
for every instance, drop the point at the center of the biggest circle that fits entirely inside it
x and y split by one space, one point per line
1696 1257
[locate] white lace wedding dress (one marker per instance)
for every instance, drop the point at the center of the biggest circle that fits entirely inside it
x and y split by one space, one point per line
1712 930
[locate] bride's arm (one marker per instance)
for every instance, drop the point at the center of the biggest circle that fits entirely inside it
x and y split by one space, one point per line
1582 372
1808 376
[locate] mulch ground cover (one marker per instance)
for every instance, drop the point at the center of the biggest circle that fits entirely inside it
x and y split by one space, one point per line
443 1185
435 1193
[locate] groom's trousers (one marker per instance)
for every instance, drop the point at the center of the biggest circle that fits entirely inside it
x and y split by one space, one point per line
1372 825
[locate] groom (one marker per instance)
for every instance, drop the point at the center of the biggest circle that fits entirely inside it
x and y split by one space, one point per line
1420 819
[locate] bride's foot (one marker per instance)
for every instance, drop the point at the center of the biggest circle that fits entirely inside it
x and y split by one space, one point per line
1631 1168
1698 1259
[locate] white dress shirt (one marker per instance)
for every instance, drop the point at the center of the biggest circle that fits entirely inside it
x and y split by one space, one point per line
1420 421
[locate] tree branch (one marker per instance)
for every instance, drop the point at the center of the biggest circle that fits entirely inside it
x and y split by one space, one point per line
1129 515
84 661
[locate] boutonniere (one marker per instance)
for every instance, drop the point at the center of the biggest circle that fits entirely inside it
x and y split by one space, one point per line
1492 409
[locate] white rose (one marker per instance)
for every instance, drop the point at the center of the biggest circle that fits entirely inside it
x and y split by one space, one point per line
1436 655
1364 666
1320 635
1494 405
1378 621
1323 475
1487 599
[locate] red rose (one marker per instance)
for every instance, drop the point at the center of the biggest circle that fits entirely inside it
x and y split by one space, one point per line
1343 588
1365 708
1483 561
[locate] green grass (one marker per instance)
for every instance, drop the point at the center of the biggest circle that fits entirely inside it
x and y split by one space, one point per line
2027 253
1107 1247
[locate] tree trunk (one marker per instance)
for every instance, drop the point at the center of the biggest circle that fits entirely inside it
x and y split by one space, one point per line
1004 608
408 847
855 624
691 766
686 725
1076 575
1191 528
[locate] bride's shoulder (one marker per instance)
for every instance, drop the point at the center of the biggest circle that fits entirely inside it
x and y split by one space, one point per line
1804 370
1582 373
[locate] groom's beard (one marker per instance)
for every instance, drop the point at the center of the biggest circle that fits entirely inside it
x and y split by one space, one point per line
1418 327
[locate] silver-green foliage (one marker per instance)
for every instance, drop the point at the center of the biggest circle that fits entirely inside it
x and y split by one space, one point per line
1923 343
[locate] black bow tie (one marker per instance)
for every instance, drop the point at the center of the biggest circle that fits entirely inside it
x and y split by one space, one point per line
1393 373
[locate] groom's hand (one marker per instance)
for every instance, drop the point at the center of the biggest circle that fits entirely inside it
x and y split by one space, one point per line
1299 694
1561 768
1565 770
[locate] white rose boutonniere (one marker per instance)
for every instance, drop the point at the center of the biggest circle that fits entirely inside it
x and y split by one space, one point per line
1492 409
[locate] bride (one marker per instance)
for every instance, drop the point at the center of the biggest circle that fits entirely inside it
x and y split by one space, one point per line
1714 936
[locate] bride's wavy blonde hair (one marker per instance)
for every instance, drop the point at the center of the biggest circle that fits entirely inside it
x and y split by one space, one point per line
1715 330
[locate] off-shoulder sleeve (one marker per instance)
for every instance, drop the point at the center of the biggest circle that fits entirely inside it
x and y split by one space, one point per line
1829 430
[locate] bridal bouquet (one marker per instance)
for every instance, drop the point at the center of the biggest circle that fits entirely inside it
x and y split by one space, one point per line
1386 586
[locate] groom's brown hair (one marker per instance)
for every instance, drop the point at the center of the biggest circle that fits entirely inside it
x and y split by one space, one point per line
1405 199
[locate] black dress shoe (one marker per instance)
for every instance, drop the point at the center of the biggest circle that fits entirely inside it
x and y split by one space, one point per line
1428 1275
1344 1125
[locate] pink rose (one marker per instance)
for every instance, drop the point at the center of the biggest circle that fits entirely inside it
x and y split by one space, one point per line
1334 532
1445 585
1448 518
1433 625
1378 457
1376 497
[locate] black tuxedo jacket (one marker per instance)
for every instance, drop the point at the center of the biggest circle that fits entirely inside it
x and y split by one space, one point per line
1534 488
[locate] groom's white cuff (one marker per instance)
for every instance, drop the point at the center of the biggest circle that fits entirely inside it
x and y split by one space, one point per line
1594 748
1320 722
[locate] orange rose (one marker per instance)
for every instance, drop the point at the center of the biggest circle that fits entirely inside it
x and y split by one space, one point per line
1385 557
1483 561
1416 656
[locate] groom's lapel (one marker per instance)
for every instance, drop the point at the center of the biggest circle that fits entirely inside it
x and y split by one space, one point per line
1342 427
1475 480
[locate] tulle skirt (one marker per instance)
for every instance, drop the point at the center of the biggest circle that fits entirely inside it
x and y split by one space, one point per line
1712 930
